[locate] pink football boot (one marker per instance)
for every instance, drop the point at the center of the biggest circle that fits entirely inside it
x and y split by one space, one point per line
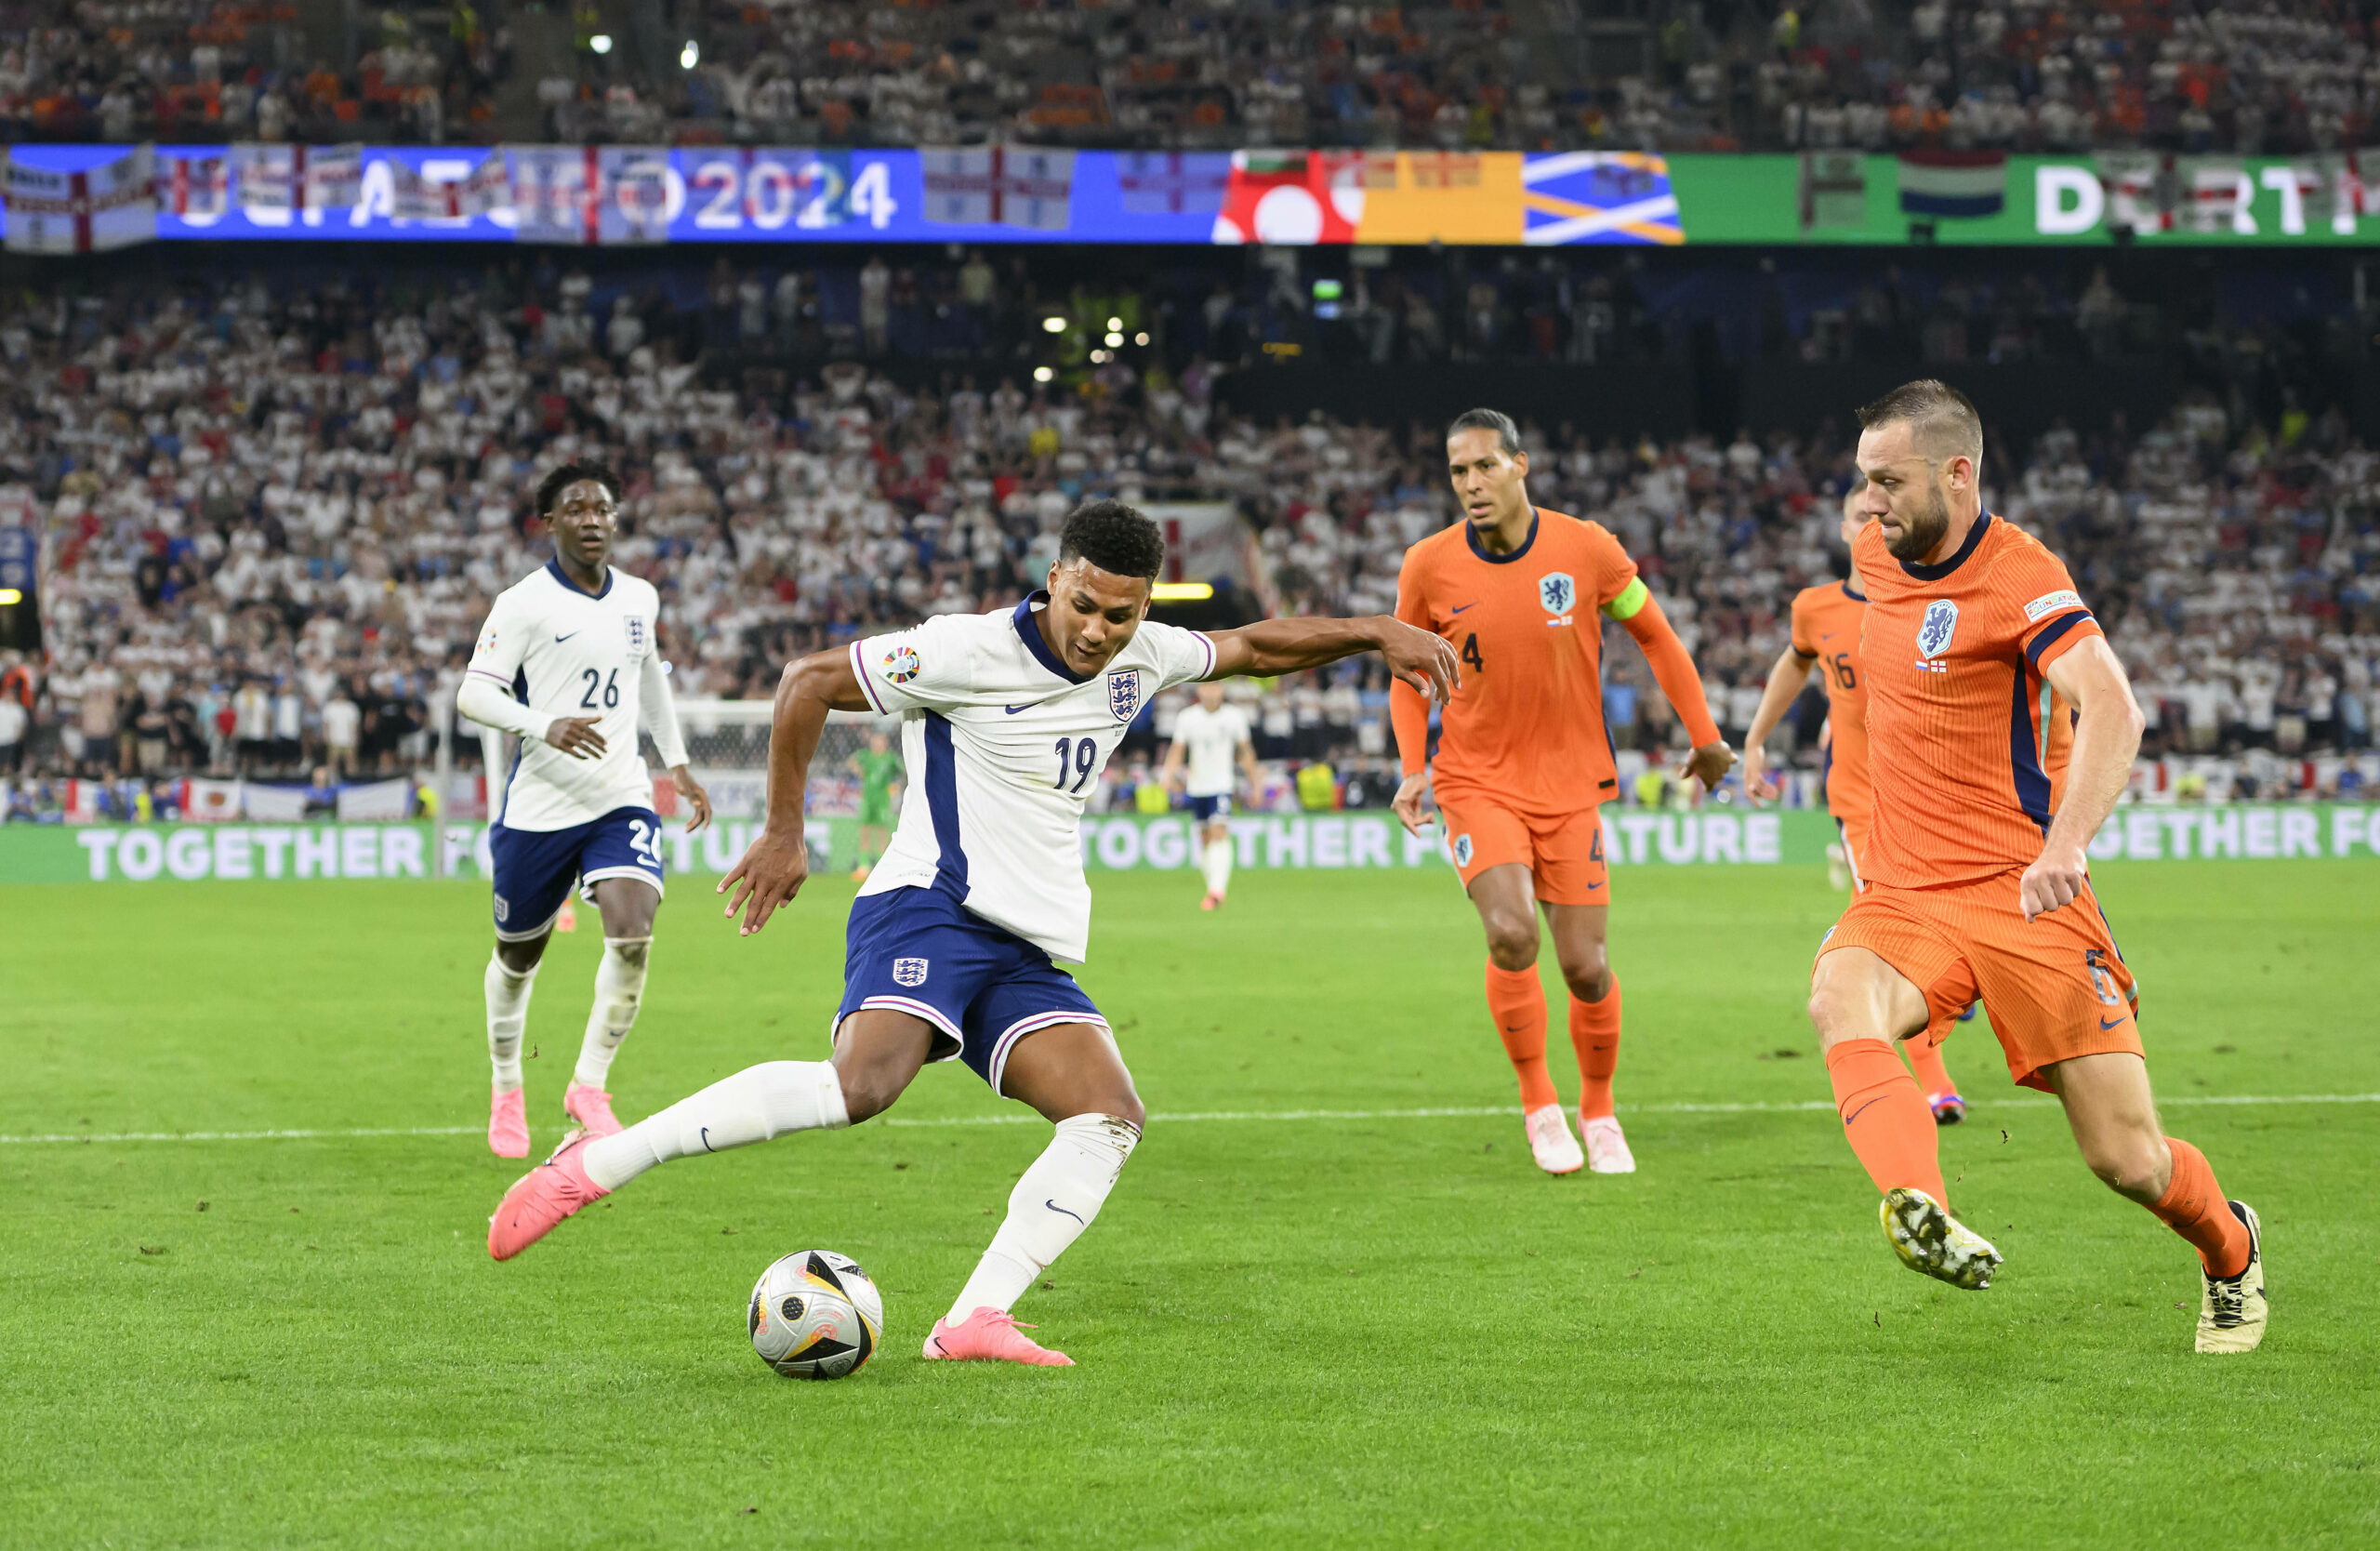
990 1335
591 1107
541 1199
508 1124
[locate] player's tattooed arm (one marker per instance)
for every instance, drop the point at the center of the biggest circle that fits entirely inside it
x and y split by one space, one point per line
2108 725
1271 646
772 872
1785 681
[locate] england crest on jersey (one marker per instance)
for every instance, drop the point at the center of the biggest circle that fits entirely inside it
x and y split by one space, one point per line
1933 633
1557 591
635 634
909 972
1124 693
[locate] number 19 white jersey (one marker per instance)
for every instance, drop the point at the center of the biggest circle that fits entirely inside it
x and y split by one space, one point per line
1003 741
568 653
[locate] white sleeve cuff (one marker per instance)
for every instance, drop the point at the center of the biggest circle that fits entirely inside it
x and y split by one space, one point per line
482 700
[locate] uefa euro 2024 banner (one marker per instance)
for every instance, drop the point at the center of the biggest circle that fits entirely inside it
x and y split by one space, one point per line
1320 841
80 199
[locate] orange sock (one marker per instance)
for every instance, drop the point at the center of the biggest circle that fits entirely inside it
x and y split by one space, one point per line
2193 1206
1884 1117
1925 1060
1594 1033
1517 1001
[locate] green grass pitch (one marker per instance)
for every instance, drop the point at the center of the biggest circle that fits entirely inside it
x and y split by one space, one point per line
1335 1331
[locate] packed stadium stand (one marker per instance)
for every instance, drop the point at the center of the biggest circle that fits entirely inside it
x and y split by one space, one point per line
278 505
2285 77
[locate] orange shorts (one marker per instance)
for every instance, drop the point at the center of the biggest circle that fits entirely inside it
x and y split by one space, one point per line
1564 852
2055 986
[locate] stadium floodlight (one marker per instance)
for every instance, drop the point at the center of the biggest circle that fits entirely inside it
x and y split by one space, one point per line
1114 324
1054 326
1114 339
1140 339
9 596
601 42
1182 592
1098 357
1042 374
690 56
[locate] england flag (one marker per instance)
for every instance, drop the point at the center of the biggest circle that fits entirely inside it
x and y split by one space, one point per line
998 185
107 206
419 196
295 177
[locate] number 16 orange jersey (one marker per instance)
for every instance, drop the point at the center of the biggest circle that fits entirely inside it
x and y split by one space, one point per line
1526 724
1826 625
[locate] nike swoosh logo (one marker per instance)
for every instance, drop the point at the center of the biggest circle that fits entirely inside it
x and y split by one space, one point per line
1592 887
707 1146
2105 1024
1027 707
1460 610
559 639
1055 1207
1862 1111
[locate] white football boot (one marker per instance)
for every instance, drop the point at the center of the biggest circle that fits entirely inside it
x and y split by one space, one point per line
1549 1138
1607 1146
2231 1316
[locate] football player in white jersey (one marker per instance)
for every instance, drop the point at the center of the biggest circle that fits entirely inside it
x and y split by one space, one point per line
1212 735
569 663
1006 720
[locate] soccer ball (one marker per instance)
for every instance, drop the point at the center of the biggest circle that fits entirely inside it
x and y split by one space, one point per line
815 1315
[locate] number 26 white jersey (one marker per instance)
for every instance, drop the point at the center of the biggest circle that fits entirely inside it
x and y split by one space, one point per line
1003 741
567 652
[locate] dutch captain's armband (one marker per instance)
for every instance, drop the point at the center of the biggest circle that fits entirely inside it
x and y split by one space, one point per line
1631 599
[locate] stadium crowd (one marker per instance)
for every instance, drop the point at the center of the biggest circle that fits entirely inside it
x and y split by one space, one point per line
275 515
2280 76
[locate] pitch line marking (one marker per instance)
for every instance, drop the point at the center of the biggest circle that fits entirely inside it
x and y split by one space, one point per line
1183 1117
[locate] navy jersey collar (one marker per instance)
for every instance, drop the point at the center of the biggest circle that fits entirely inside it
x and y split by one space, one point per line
1853 593
1028 629
1936 573
562 577
1470 536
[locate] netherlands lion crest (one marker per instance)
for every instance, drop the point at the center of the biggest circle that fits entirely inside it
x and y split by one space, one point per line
1463 850
1124 693
909 972
1933 633
1556 592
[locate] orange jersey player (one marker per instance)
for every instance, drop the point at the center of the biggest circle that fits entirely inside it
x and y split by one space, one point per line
1976 881
1826 636
1524 759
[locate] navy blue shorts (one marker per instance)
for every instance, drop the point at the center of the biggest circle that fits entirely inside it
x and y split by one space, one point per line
535 868
1210 809
920 951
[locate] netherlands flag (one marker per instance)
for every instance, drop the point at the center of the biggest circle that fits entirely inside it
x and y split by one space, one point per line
1965 183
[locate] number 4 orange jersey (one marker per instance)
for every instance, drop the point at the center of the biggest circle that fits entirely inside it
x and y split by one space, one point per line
1826 625
1527 721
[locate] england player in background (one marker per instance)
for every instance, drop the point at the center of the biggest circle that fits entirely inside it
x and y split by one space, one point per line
569 663
1007 719
1212 735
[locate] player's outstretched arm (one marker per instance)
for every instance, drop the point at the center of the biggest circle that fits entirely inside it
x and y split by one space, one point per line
2107 738
1673 669
774 870
1785 681
1272 646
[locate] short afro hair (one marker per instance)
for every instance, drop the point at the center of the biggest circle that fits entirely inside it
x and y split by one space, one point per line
1114 537
549 488
1508 435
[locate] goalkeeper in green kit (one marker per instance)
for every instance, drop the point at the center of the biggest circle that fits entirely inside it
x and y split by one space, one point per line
878 770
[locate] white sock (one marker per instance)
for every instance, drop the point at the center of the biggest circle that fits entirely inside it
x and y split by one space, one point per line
1215 862
756 1103
508 1014
1049 1209
619 988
